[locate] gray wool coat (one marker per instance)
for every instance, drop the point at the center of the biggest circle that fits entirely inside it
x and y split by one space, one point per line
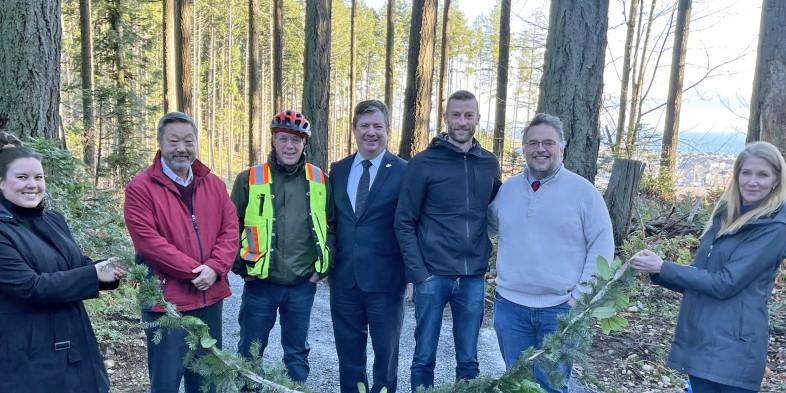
722 329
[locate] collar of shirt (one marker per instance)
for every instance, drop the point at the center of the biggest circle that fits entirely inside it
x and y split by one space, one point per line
544 180
357 170
175 178
375 162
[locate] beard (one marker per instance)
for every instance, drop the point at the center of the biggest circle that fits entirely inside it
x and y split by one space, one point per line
461 135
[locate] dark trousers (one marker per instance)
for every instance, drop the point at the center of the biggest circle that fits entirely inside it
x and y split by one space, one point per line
165 359
699 385
466 298
356 315
261 300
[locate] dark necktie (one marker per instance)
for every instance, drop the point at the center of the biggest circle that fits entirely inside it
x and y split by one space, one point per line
535 185
363 186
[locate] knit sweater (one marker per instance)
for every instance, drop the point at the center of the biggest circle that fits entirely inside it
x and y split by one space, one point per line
549 240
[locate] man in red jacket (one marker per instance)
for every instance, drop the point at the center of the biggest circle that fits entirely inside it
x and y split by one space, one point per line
184 228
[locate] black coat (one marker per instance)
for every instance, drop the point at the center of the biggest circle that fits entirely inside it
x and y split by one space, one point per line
46 341
722 330
366 250
441 216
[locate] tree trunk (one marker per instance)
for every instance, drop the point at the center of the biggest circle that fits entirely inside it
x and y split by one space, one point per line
30 33
420 67
443 61
183 38
621 193
278 54
316 83
502 79
635 96
196 81
668 153
170 59
389 55
352 65
254 83
88 135
572 82
122 97
767 119
626 67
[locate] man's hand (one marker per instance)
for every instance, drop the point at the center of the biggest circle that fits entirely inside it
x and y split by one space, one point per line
314 278
206 276
572 302
409 292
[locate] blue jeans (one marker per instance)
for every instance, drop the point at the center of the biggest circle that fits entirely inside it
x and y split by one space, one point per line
261 300
699 385
165 360
466 298
520 327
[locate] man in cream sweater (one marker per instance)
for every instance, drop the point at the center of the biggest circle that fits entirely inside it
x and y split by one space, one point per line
552 226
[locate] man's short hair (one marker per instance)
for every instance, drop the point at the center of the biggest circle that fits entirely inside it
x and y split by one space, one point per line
462 95
371 106
174 117
549 120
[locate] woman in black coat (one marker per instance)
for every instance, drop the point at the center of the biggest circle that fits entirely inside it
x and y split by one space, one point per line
47 344
722 329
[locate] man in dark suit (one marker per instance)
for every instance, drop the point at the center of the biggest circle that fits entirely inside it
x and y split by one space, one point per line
367 281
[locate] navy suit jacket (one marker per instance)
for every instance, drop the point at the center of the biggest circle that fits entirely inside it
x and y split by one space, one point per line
366 250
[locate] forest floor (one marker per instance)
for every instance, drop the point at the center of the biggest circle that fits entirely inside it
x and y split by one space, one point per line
629 361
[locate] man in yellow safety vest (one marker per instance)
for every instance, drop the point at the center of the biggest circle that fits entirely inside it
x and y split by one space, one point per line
282 210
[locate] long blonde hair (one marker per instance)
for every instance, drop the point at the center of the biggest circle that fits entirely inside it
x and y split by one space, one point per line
728 206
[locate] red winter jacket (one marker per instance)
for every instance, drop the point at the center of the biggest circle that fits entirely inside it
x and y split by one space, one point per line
168 239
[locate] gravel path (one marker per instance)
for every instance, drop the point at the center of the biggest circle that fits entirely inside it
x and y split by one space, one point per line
323 359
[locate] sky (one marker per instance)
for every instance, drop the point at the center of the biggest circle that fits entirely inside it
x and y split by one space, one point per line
721 31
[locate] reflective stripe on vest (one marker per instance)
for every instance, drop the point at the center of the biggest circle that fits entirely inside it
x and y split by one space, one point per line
258 233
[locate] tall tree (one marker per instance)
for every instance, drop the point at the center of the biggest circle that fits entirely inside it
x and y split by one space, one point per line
502 78
572 82
183 30
254 83
88 81
316 84
626 67
634 119
767 120
278 54
443 64
352 65
170 59
389 54
30 32
420 66
668 153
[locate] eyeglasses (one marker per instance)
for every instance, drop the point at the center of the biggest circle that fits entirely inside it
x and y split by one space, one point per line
285 139
547 144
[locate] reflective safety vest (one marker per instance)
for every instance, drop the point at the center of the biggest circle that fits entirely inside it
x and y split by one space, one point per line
257 237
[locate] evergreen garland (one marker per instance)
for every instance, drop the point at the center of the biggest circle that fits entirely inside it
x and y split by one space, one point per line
230 372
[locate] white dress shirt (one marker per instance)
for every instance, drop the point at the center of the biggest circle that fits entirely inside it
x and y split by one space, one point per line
357 170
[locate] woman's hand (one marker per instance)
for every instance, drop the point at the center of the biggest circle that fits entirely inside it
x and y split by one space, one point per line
110 270
646 261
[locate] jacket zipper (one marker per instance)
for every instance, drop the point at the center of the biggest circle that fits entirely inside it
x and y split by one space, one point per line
199 246
466 213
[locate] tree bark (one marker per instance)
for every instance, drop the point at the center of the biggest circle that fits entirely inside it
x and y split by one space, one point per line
278 54
183 38
621 193
254 83
420 67
389 55
443 62
572 82
767 119
30 33
668 153
316 83
352 61
635 96
88 135
626 67
170 59
502 79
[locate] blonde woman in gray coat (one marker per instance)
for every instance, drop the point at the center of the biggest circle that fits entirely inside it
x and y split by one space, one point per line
722 329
